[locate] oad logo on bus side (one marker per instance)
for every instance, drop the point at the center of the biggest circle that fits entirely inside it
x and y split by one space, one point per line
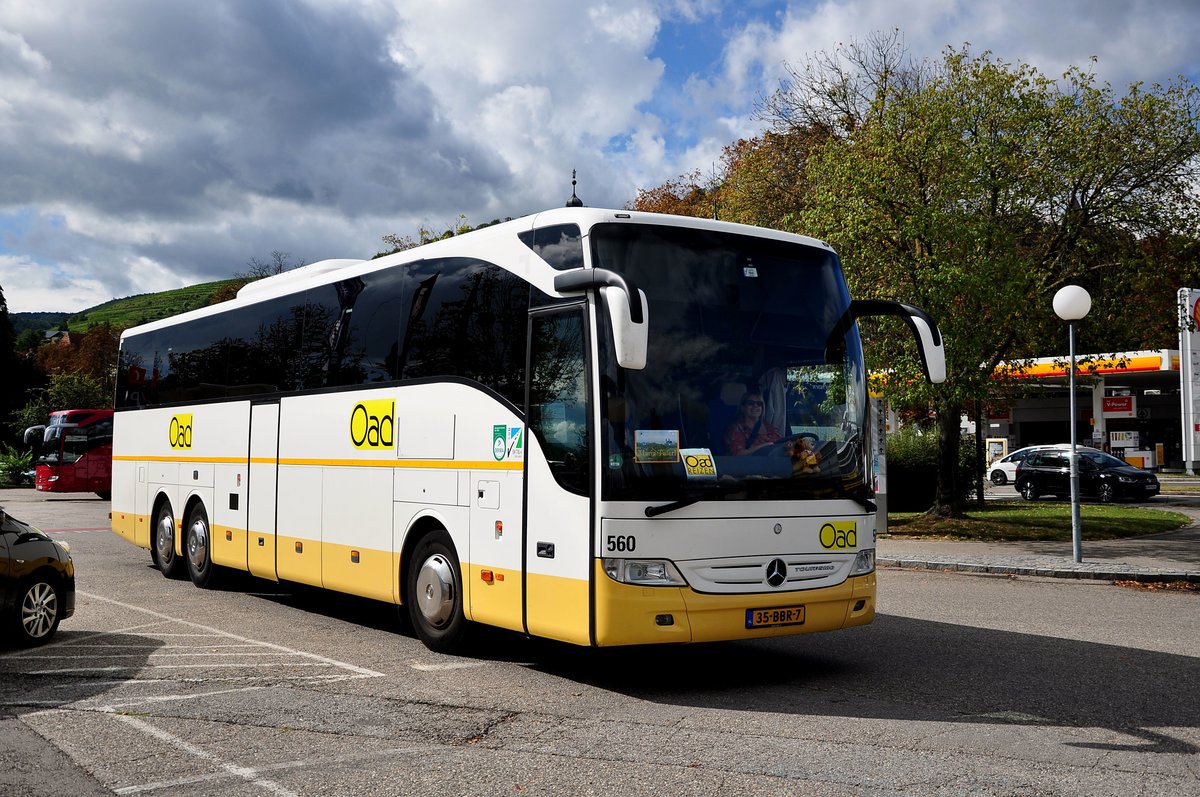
373 424
180 432
839 535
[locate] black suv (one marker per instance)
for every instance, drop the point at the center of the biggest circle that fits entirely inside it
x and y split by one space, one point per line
1100 474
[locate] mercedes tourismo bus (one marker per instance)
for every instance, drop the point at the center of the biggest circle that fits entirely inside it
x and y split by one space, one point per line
525 426
73 452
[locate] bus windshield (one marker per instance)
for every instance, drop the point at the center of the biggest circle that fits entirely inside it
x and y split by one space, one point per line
69 436
48 449
749 392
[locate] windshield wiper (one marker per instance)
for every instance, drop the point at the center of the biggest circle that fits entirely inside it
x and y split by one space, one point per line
861 495
662 509
703 494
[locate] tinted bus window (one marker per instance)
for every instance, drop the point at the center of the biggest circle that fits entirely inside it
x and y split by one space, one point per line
465 318
355 327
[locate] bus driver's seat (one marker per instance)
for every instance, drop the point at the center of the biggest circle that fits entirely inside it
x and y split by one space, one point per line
723 411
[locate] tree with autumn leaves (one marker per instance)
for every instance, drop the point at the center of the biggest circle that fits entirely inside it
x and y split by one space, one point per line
974 188
79 371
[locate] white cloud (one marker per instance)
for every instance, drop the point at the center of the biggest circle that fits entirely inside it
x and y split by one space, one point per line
1132 40
548 89
147 145
30 286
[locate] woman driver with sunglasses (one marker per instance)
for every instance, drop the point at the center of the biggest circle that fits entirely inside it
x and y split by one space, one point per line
750 432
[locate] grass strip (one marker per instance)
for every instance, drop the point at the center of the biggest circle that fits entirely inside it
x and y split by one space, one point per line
1037 520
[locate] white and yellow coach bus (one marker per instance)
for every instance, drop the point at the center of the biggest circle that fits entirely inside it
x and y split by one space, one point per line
602 427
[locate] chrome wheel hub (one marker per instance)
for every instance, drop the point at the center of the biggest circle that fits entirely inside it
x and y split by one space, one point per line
164 540
436 593
197 541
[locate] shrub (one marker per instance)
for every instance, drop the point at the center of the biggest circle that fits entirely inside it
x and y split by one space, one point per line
13 465
912 468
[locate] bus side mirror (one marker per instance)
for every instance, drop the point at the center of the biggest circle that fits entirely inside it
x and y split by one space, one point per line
34 433
924 329
626 305
630 338
929 340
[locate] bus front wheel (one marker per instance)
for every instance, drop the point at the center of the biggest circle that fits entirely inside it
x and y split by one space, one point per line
162 549
433 592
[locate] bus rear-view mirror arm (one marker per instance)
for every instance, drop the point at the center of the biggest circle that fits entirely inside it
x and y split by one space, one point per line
924 329
626 305
34 433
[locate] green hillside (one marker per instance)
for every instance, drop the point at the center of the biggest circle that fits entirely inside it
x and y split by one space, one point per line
38 321
134 310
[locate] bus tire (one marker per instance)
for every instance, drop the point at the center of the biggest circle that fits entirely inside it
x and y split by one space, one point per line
434 594
197 547
162 546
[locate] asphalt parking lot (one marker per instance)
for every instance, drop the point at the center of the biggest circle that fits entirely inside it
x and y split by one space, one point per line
963 685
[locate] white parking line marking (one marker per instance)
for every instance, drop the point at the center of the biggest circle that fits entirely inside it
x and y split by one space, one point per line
455 665
145 646
360 671
178 667
245 773
154 654
124 704
114 632
282 765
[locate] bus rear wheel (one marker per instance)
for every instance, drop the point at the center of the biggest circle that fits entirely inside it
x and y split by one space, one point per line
433 592
197 546
162 547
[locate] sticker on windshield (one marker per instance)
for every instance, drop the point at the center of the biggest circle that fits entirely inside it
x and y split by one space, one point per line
749 271
656 445
699 463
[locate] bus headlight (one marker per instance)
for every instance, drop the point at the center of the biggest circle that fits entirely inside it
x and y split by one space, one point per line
863 563
644 572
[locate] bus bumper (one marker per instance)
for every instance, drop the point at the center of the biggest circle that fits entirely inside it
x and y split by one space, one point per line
632 615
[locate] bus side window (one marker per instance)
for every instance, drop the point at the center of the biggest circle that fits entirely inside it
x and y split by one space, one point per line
558 395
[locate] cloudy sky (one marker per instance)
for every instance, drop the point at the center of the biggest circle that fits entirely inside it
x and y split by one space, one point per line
149 144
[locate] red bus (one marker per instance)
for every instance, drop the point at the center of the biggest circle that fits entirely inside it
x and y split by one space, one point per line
74 452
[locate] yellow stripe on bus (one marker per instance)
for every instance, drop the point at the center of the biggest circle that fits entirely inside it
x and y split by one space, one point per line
353 569
345 463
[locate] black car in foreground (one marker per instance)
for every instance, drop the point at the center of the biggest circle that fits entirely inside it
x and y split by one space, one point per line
37 583
1100 475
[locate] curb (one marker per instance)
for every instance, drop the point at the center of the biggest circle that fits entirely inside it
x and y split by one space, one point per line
1083 571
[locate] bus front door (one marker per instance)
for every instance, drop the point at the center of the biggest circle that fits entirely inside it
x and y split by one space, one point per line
557 532
261 500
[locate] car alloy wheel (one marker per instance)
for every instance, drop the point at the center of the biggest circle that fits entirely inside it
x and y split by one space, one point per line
37 614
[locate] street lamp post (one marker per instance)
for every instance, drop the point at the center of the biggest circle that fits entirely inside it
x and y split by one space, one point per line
1071 304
